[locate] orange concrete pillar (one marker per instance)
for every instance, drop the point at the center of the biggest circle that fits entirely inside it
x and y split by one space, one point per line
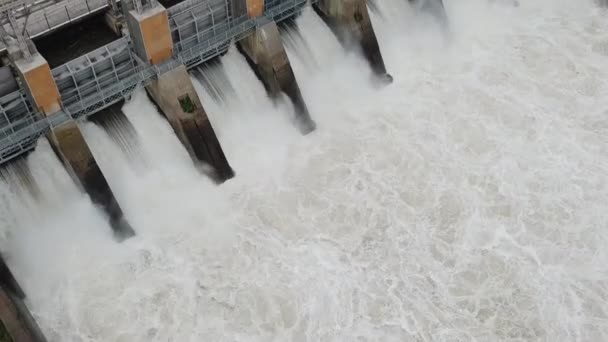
255 8
40 84
151 34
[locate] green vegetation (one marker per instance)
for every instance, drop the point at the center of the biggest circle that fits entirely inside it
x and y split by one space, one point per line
187 104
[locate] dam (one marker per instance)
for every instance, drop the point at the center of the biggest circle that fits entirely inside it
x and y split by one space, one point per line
303 171
161 45
155 47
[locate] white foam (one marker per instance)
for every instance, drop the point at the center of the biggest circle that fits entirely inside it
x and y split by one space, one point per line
466 201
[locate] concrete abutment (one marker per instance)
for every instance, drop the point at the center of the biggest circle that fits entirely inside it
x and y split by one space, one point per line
350 21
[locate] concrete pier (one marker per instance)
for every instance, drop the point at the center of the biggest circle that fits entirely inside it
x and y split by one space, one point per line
69 144
350 21
71 148
15 318
265 53
174 94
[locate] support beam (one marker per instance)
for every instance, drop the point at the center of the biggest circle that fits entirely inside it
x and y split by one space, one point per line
174 94
349 19
69 144
265 53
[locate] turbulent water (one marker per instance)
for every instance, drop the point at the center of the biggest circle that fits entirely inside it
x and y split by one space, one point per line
467 201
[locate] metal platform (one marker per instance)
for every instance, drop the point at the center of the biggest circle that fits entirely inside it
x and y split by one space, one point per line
202 29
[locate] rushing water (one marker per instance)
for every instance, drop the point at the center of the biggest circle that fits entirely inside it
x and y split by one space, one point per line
467 201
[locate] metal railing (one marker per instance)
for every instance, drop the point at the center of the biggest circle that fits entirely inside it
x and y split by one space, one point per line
103 77
204 45
17 119
195 21
93 73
